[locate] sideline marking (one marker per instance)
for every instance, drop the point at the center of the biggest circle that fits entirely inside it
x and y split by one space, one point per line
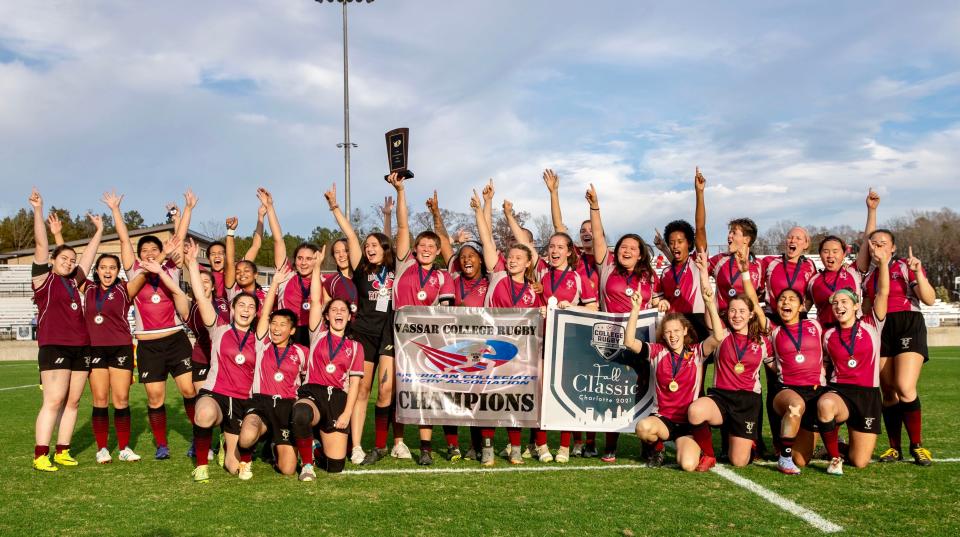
400 471
18 387
789 506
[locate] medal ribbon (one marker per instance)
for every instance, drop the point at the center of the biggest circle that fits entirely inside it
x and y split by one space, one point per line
673 271
852 347
382 276
99 300
278 357
733 274
676 363
423 280
154 281
351 290
798 341
304 290
71 290
836 279
464 291
236 334
330 350
516 297
796 270
555 284
738 349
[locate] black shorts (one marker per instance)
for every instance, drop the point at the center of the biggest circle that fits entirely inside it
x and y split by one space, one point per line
904 331
674 430
199 371
374 346
115 356
232 408
275 413
168 355
864 405
74 358
699 323
740 410
809 394
330 402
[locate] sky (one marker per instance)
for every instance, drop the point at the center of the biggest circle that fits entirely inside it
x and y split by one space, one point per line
792 110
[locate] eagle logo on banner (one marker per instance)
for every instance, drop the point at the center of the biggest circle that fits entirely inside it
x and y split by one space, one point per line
469 356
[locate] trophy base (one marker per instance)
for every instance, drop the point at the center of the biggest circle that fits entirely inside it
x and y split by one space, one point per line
404 174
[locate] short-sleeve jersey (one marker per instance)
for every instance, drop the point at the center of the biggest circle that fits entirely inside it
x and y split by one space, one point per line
279 372
726 273
903 283
344 354
504 292
566 285
294 295
823 284
412 279
681 287
780 274
738 348
339 286
154 310
861 367
617 287
684 369
231 366
110 306
798 350
60 308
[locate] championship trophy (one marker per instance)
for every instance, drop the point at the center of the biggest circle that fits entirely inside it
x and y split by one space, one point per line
397 141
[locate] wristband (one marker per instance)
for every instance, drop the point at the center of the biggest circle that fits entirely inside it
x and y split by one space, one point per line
230 232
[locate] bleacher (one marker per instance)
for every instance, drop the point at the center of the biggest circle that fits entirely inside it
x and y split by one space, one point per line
15 280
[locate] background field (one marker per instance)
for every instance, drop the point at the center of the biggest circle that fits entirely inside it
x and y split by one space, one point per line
587 497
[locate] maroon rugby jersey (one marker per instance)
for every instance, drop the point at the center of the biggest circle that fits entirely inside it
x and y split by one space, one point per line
339 286
823 284
258 292
231 365
327 348
294 295
201 343
60 309
279 371
751 354
801 366
684 369
111 306
726 273
587 267
219 283
855 352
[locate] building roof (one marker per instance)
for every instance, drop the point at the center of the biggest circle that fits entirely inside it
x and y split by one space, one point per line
200 237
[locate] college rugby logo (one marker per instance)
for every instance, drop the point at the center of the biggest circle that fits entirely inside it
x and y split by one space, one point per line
469 356
607 339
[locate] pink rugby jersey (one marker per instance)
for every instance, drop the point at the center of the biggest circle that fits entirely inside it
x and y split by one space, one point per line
471 293
564 285
617 288
738 349
154 308
219 283
339 286
233 359
506 293
902 281
60 309
677 380
727 275
780 274
855 352
294 295
202 344
333 360
798 350
258 292
823 284
106 314
417 286
279 371
587 268
681 287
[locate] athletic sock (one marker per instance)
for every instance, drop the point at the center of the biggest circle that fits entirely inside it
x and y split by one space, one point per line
513 434
426 445
202 436
591 438
246 454
305 447
612 439
540 437
189 405
451 434
62 447
487 432
40 451
158 424
381 424
893 422
704 438
577 437
911 420
658 445
100 421
830 437
787 446
121 422
565 437
476 438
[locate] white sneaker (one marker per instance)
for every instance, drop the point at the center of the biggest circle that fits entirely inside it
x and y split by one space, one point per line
307 473
400 451
563 455
507 449
577 451
244 472
529 451
357 455
127 455
543 453
211 455
103 456
836 466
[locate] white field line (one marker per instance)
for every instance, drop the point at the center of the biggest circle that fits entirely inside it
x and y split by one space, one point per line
18 387
518 468
789 506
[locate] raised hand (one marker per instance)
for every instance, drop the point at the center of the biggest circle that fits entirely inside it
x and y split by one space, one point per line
462 236
261 212
507 207
658 240
112 200
488 191
97 221
331 196
171 245
699 181
36 201
537 287
592 198
190 250
151 266
433 204
172 208
475 201
873 200
396 181
387 208
912 262
636 301
232 222
743 259
53 222
266 199
551 180
283 274
190 199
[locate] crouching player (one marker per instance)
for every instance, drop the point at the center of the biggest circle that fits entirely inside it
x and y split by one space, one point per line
281 364
334 370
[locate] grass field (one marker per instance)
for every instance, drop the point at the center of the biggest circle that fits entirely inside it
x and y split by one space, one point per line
586 497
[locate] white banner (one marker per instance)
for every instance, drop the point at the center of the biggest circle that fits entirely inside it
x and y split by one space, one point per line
468 366
591 382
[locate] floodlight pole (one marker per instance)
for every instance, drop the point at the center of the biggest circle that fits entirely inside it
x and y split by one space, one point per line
346 114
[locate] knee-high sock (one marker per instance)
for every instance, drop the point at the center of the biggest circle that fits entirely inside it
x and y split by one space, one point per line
100 421
121 422
911 420
158 424
704 438
893 423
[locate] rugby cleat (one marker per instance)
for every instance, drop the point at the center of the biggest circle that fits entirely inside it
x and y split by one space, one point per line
506 451
577 450
836 466
307 473
453 454
589 451
529 451
787 466
921 456
127 455
163 453
563 455
244 471
655 460
706 463
401 451
515 456
609 457
200 474
63 458
891 455
543 453
486 457
471 455
357 455
43 464
373 456
426 457
103 456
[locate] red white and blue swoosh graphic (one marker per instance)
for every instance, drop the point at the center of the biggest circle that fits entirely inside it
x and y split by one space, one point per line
469 356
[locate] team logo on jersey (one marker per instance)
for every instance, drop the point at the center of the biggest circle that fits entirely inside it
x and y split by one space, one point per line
186 362
285 434
121 359
868 423
59 360
570 284
203 372
749 425
143 374
812 330
95 360
222 306
905 342
469 356
86 361
607 339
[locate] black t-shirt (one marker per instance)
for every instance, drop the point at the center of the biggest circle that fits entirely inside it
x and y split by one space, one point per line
368 320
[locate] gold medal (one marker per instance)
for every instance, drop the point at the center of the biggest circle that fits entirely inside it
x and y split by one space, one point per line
739 369
674 386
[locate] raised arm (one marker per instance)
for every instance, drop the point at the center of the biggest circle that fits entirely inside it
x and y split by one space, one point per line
700 215
41 250
925 292
204 306
743 264
490 257
446 249
279 247
402 242
318 296
718 332
488 192
90 252
112 200
553 187
630 340
230 253
353 242
387 210
518 234
883 284
599 239
56 228
263 322
257 240
189 202
863 256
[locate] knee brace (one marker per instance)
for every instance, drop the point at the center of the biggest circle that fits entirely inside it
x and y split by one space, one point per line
335 466
827 426
302 417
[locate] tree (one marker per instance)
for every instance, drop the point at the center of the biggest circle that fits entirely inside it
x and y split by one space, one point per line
934 237
16 232
501 230
133 219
